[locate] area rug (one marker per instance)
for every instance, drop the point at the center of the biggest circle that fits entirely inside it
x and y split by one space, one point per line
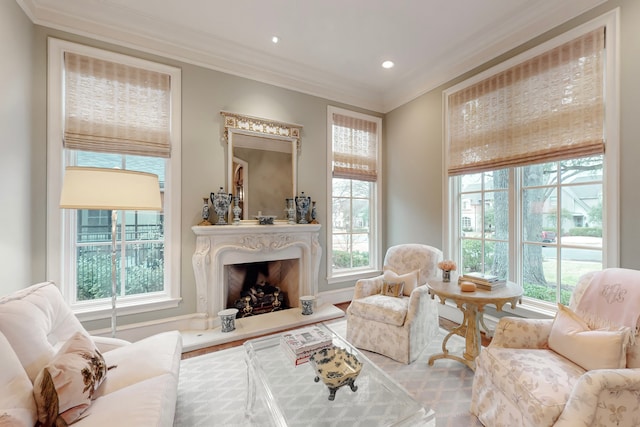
212 388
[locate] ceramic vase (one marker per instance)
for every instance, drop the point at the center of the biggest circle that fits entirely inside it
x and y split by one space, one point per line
221 202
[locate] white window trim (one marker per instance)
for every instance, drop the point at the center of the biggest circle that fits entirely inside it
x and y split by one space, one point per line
611 167
375 255
55 226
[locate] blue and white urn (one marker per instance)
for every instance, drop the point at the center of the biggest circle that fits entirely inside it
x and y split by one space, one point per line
221 202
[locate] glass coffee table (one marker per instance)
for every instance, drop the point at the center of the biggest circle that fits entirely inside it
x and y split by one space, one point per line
282 394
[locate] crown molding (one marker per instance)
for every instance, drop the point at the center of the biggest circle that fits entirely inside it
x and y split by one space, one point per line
195 48
130 28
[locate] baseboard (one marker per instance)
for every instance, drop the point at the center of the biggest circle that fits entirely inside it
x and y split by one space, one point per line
336 296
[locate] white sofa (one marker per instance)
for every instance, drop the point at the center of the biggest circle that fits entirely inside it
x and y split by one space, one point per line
140 389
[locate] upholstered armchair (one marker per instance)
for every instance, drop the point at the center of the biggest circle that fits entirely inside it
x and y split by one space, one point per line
579 369
392 314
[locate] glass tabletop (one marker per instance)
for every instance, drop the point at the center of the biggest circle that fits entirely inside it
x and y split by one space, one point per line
294 398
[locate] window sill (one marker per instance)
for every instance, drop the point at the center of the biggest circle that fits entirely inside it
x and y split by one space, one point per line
353 276
529 309
102 310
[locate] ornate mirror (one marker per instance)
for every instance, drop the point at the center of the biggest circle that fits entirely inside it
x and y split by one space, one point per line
261 163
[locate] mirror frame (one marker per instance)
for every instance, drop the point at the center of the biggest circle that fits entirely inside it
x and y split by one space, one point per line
235 123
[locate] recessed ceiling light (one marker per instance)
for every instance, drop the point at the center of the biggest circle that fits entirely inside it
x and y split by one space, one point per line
275 39
387 64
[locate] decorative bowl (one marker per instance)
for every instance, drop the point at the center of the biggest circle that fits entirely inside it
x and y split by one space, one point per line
336 368
265 219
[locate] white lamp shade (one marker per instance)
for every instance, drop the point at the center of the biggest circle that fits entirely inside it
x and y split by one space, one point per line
112 189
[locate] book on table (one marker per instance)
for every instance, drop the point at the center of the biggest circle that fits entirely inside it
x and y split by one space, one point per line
483 281
301 344
491 287
299 359
488 278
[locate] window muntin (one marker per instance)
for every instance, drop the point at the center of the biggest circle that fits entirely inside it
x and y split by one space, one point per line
488 230
352 205
141 265
553 250
558 248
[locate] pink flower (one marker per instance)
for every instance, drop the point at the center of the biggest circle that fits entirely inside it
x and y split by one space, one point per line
447 265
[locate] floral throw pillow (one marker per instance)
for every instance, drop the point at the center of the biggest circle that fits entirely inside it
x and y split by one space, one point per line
64 388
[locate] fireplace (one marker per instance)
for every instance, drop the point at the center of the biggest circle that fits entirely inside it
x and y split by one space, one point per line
220 250
262 287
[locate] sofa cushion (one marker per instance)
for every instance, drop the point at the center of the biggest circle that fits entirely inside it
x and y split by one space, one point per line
538 381
592 349
66 386
381 308
34 320
17 406
151 402
150 357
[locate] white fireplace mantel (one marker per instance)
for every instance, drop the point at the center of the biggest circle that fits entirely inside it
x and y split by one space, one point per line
220 245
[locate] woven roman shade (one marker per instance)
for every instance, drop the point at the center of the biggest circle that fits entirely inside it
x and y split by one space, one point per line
548 108
115 108
355 148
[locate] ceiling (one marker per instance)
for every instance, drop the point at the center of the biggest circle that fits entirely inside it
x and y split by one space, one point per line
329 48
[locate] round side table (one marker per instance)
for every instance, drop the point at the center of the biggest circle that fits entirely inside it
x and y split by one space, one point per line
472 306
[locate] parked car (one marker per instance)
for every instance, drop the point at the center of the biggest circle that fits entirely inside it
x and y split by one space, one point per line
548 236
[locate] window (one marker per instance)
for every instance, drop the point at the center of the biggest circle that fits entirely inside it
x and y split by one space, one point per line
355 172
466 223
110 110
533 191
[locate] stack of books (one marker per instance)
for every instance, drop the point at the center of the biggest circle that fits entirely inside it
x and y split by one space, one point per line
483 281
299 345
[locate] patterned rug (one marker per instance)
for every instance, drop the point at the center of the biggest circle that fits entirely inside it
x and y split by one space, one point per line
212 388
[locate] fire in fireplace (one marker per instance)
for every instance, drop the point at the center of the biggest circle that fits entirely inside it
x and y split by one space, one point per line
260 287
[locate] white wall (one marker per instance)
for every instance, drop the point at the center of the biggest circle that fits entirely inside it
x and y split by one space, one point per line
21 248
413 172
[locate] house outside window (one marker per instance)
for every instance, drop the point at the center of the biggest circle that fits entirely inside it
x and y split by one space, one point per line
353 234
79 241
540 219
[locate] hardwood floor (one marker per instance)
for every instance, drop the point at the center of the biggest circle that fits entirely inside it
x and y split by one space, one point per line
444 323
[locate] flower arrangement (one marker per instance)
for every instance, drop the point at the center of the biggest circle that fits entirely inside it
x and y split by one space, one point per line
447 265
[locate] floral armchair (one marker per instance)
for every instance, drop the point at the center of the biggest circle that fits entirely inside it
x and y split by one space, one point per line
392 314
535 373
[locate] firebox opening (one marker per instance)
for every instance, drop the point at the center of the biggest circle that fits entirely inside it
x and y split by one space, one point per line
262 287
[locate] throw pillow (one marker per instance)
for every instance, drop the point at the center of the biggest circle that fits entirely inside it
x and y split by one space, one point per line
392 289
592 349
65 386
410 280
